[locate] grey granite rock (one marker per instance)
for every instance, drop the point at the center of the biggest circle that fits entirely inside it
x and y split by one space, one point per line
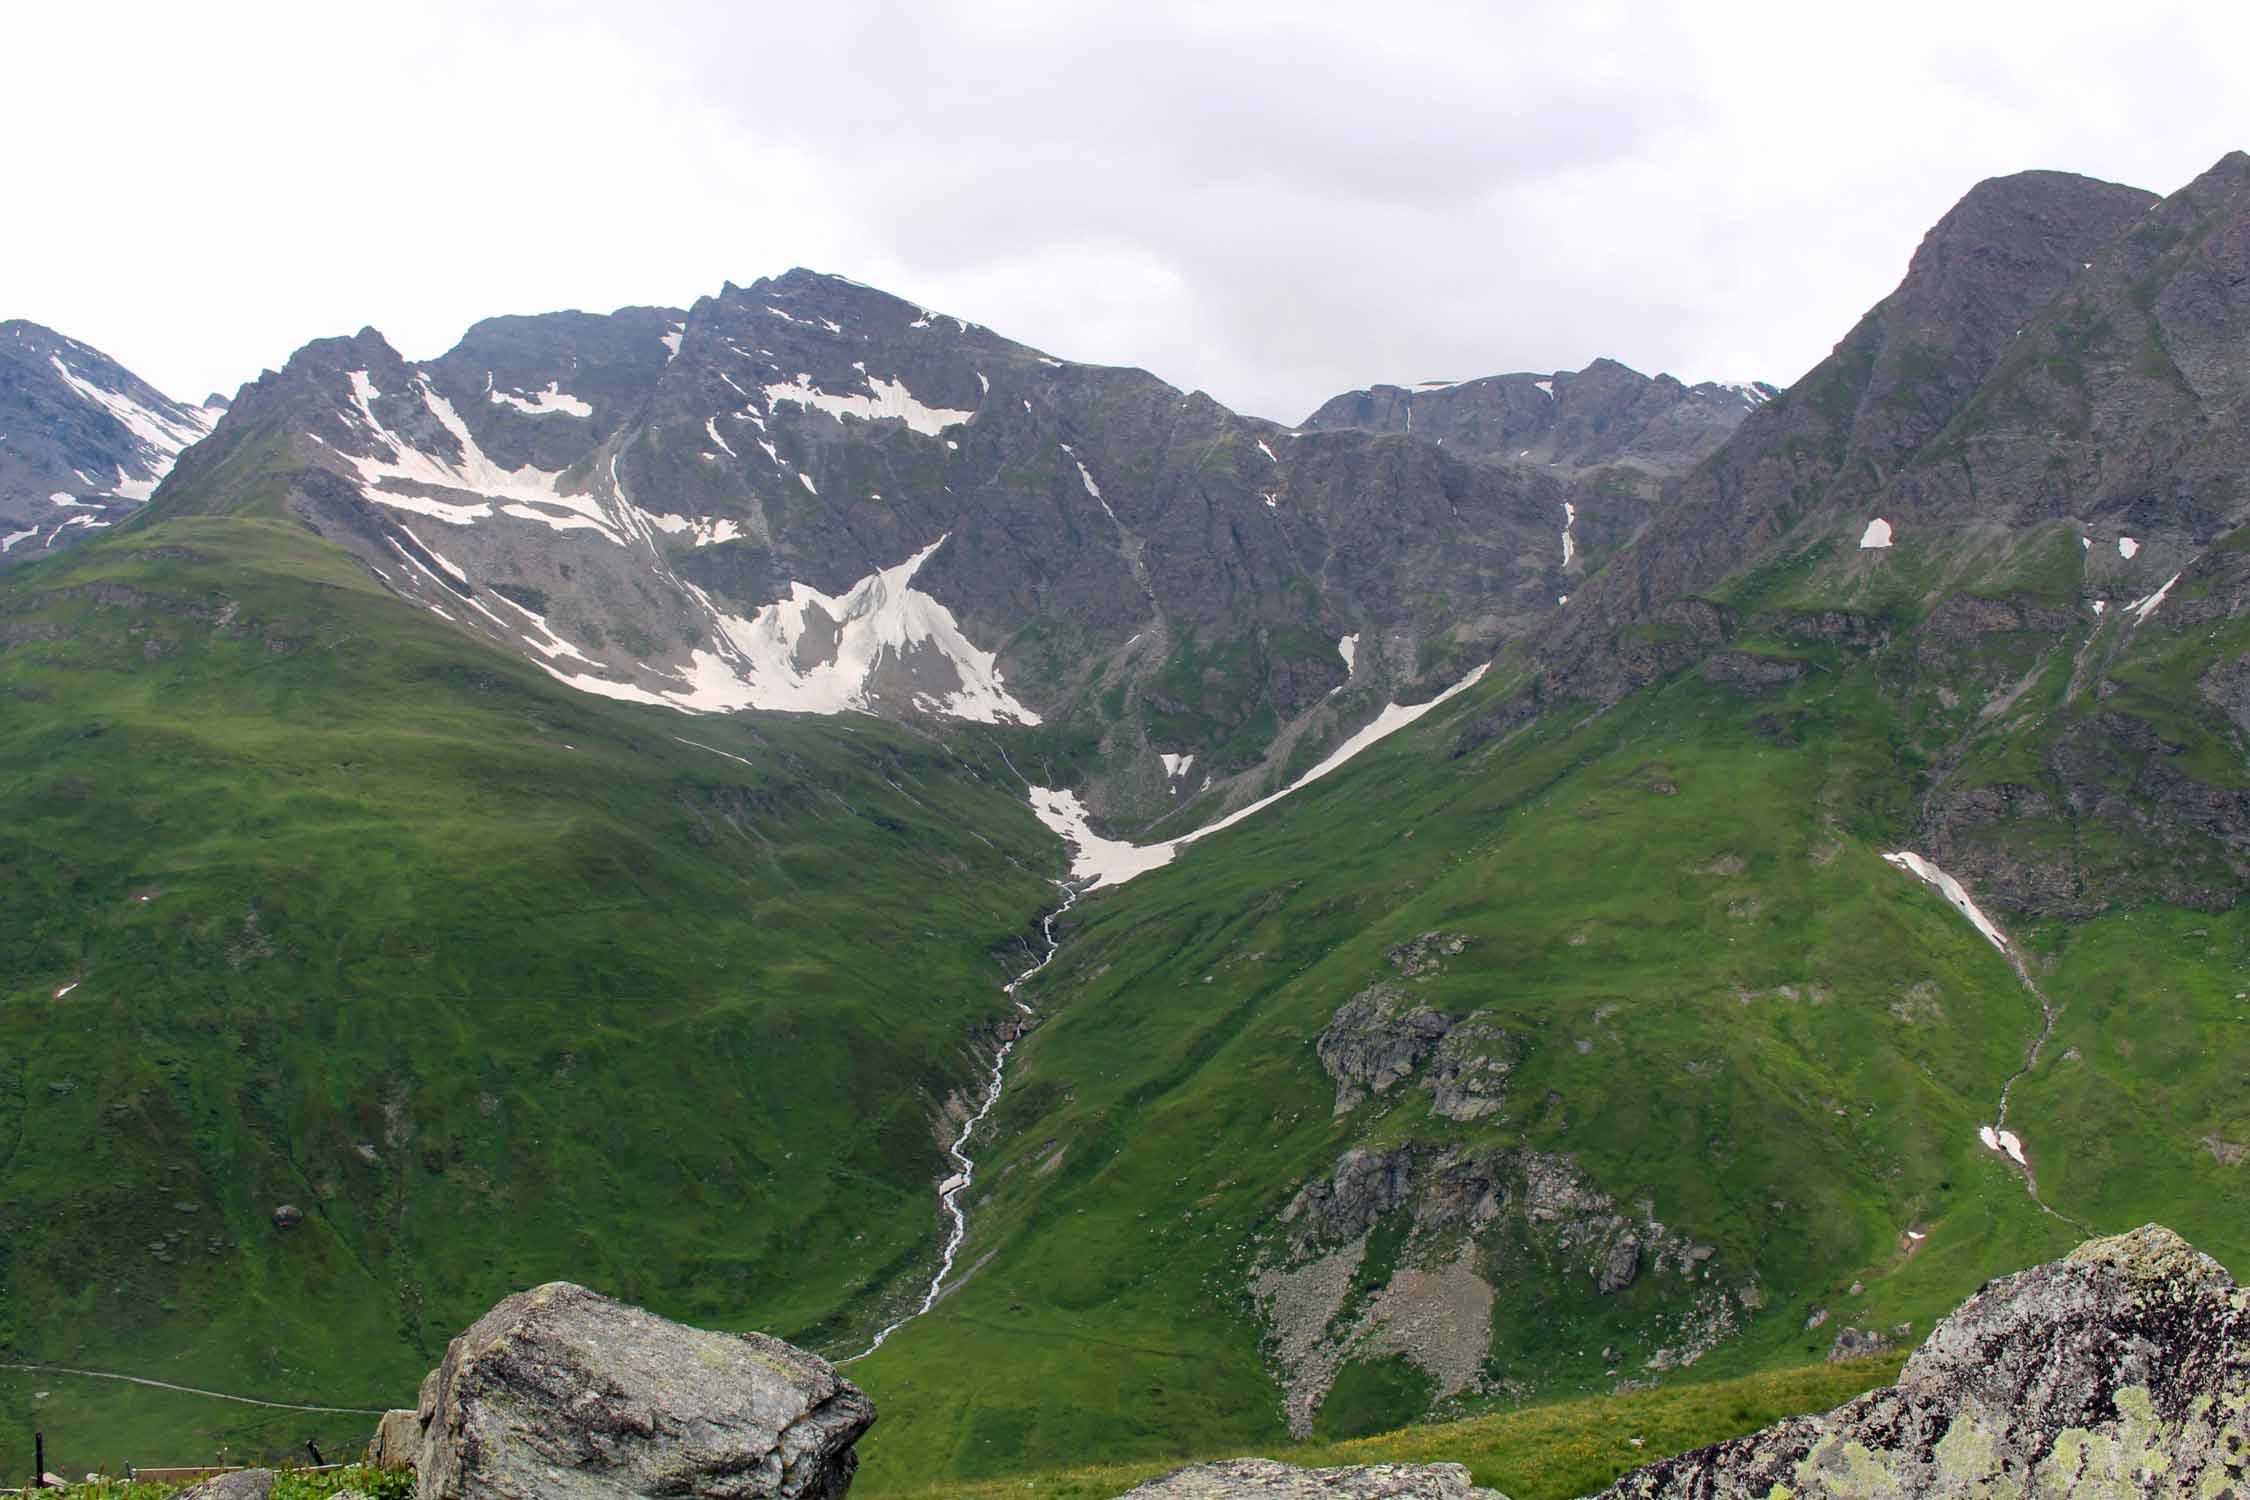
561 1394
2121 1370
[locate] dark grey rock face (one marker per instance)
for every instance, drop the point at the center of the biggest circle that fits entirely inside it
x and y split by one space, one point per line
1264 1479
83 441
561 1394
1604 414
2119 1370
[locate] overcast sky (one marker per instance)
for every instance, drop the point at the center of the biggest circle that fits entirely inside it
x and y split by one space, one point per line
1271 202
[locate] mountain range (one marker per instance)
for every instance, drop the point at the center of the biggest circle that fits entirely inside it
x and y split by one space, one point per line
1753 863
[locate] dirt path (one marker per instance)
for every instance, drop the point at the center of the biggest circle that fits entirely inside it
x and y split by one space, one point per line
190 1390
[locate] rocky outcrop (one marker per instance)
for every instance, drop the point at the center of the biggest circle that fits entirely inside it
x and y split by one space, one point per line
1401 1251
2122 1369
1751 672
1377 1038
559 1393
1263 1479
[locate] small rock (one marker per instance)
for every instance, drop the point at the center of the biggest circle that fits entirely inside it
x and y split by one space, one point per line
1855 1343
1619 1267
288 1216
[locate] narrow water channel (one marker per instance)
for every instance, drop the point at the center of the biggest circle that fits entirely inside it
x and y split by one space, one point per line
964 1165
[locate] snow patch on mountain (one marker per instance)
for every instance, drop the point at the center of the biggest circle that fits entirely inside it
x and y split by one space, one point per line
1876 536
1101 861
541 403
890 401
473 471
1953 891
164 435
2141 609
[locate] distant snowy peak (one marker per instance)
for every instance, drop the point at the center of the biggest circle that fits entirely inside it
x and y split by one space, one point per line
83 440
1606 413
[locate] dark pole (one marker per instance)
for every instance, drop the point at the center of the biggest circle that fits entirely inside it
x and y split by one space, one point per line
318 1461
39 1460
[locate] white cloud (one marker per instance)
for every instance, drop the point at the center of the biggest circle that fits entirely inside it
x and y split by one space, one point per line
1272 202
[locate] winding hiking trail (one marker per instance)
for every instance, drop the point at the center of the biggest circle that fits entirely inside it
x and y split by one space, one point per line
190 1390
1997 1137
965 1167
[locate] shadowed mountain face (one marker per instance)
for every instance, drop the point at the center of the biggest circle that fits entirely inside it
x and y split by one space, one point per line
1603 414
810 495
83 440
2026 464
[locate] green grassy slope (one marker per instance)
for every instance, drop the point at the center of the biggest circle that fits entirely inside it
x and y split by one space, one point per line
497 982
1730 1007
1543 1452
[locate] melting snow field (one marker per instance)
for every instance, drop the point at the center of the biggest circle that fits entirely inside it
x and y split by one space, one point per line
2126 547
1569 544
1877 534
157 430
541 403
1102 861
879 626
2141 609
1951 889
2006 1142
890 400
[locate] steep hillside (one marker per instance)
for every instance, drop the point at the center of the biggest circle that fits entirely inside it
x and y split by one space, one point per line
813 496
83 440
318 903
2024 464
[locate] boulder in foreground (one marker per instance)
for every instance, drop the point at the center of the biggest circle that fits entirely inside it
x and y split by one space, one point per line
559 1393
2121 1370
1263 1479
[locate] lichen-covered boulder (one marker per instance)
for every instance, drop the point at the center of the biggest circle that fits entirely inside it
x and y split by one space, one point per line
1263 1479
2121 1370
559 1393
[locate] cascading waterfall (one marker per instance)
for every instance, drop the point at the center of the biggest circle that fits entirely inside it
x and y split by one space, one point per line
964 1165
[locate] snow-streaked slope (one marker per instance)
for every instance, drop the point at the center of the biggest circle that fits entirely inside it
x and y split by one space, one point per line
1101 861
882 642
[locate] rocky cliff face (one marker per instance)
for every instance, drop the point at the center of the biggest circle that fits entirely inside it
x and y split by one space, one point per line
83 440
810 495
1605 414
2010 474
2119 1370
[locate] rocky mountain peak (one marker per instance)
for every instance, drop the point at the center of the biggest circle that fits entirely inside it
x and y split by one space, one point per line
1567 421
83 440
